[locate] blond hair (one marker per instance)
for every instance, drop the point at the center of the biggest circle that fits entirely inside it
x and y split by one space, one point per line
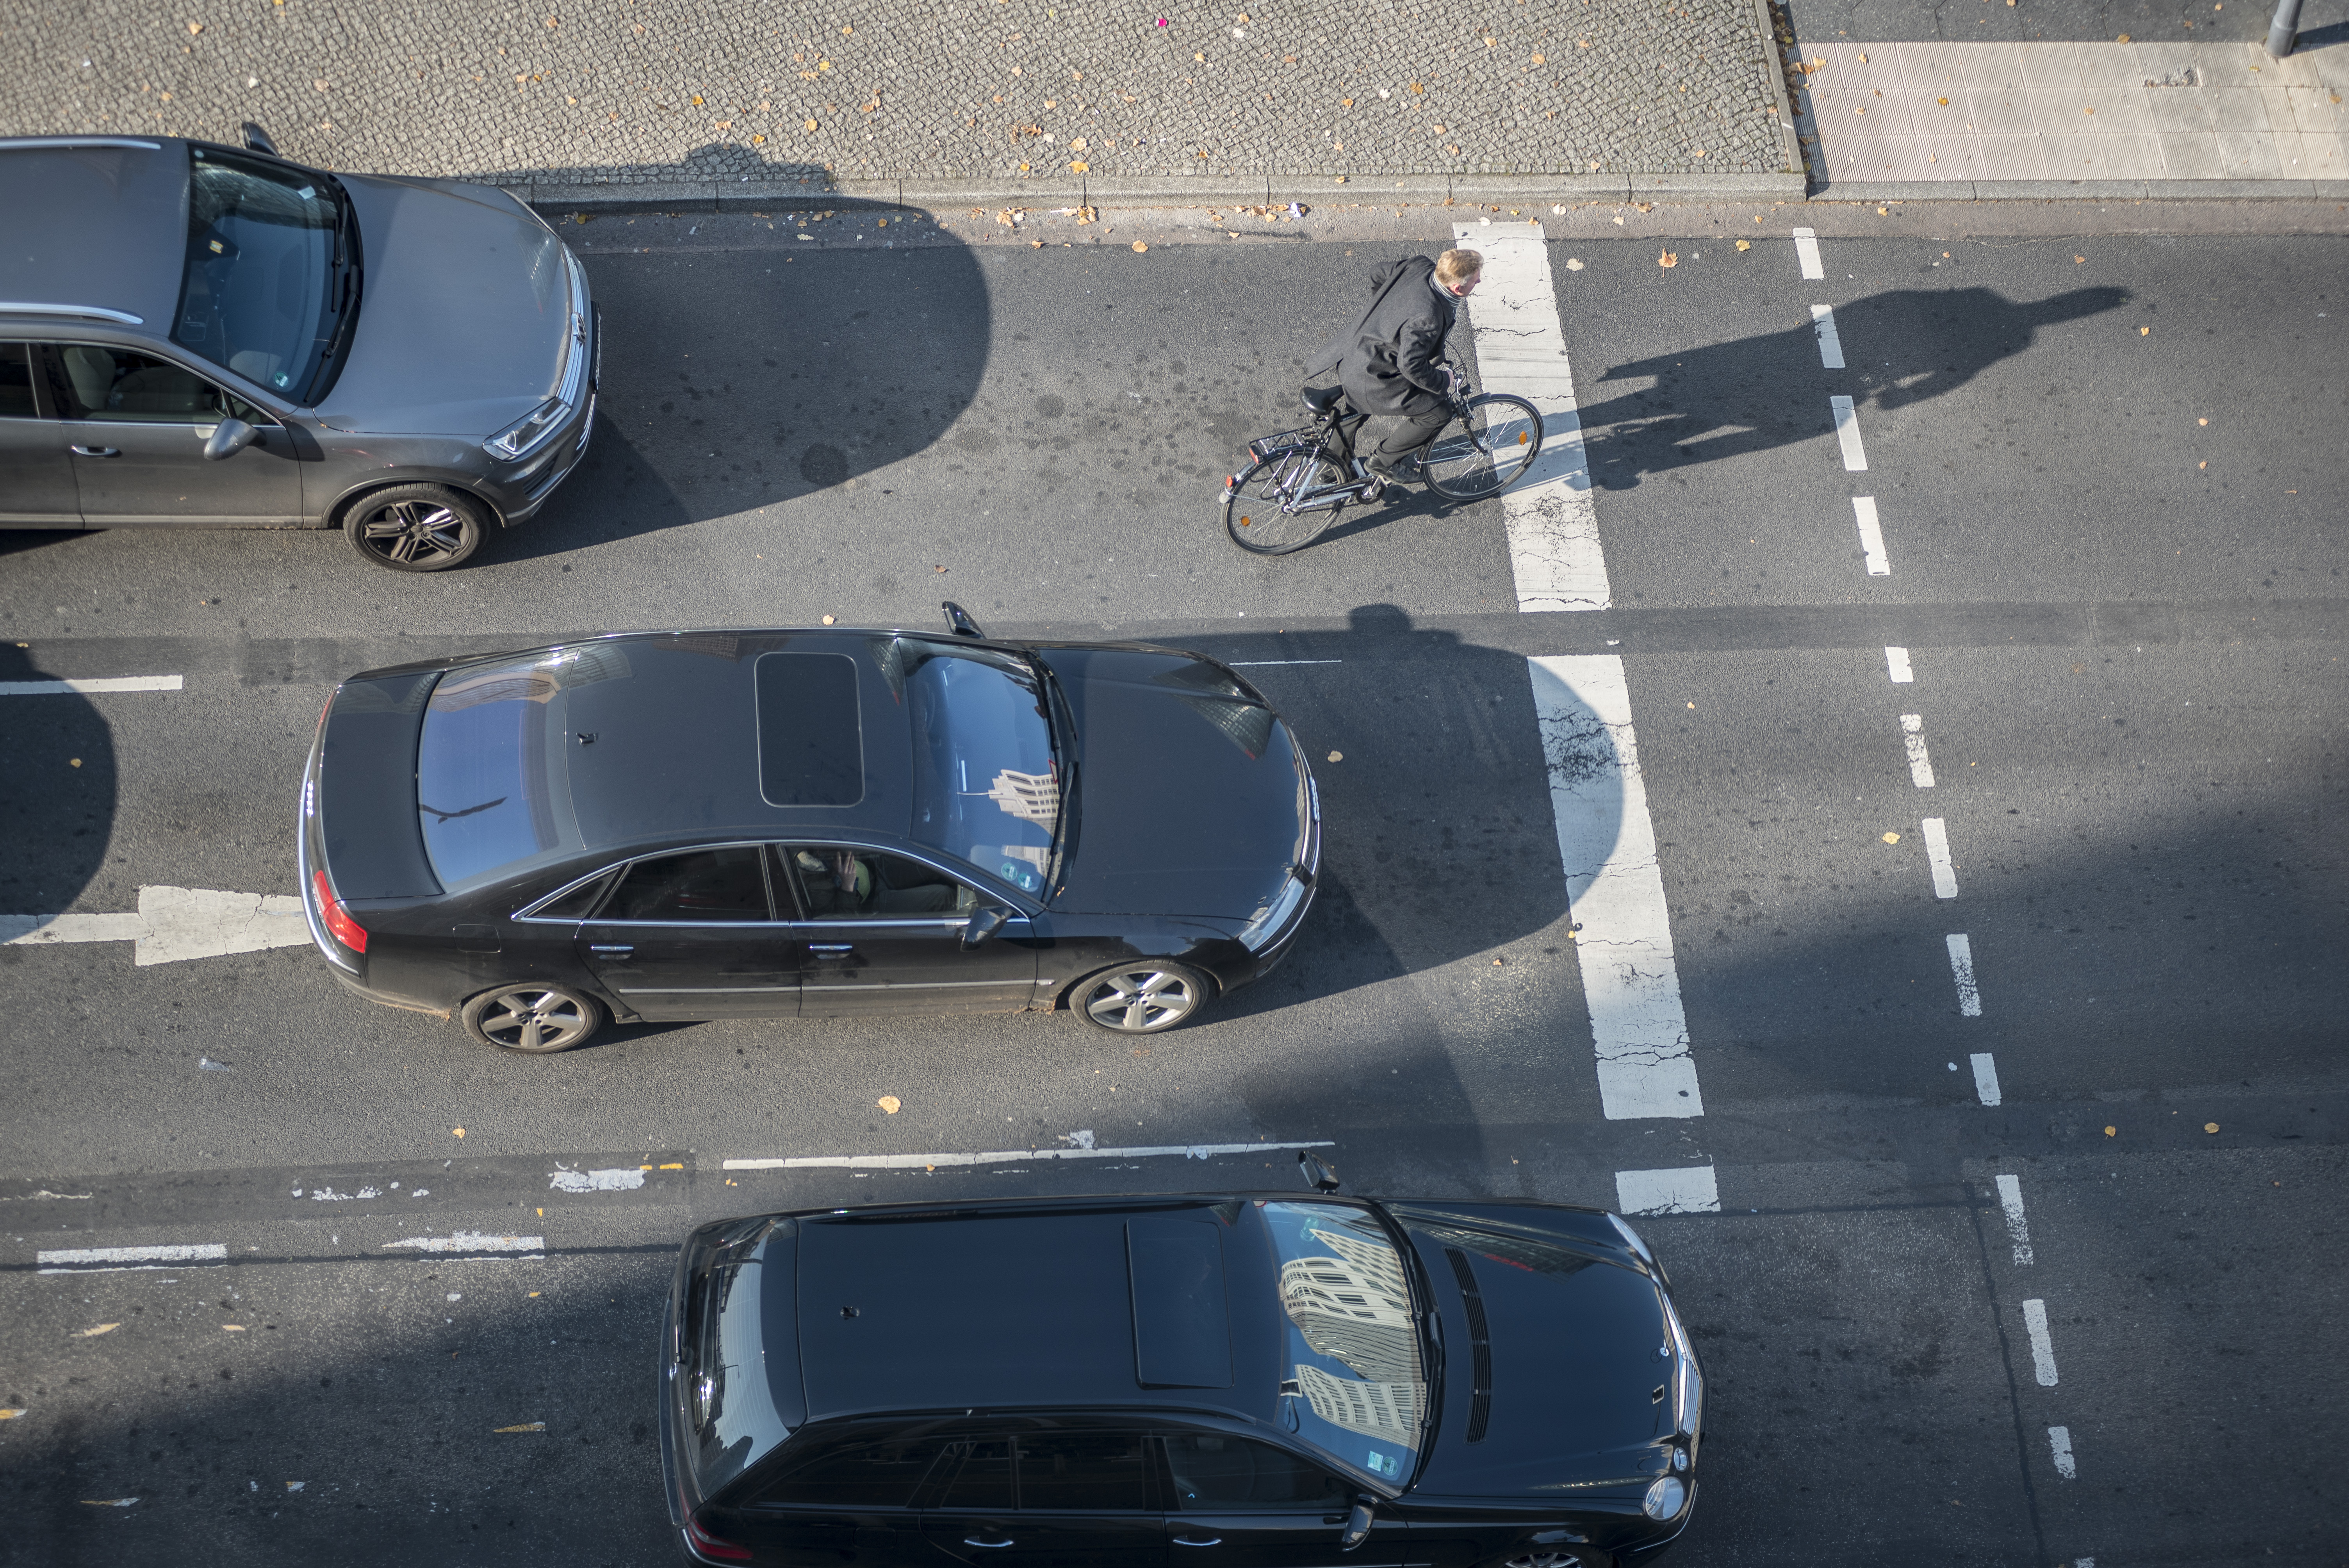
1458 266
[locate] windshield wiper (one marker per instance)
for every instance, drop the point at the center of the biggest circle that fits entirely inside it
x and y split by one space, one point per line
1061 725
344 282
468 811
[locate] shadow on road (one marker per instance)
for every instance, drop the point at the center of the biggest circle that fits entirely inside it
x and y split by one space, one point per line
57 813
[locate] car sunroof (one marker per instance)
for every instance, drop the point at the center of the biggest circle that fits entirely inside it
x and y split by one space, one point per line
810 737
1182 1326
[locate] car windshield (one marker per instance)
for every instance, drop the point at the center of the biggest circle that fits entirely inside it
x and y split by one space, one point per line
986 784
267 268
493 779
1352 1382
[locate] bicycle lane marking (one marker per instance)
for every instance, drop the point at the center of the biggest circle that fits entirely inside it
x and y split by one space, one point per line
1607 843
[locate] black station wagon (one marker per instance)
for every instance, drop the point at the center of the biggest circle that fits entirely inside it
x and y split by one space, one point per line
1248 1380
695 825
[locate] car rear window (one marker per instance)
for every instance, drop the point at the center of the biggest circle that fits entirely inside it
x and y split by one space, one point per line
492 779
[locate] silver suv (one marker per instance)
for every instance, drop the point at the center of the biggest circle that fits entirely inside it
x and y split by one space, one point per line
203 336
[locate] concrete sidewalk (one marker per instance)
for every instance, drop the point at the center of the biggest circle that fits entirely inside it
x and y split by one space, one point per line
672 101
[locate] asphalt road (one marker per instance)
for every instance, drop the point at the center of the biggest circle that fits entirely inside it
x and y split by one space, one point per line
2123 626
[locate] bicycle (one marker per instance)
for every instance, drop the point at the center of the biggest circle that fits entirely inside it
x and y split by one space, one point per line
1302 479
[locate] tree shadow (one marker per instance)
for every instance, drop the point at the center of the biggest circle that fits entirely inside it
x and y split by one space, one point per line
59 803
1728 399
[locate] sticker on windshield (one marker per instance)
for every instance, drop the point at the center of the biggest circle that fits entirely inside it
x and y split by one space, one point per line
1386 1465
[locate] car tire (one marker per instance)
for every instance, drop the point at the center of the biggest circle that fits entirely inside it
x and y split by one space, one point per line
1141 998
532 1019
416 528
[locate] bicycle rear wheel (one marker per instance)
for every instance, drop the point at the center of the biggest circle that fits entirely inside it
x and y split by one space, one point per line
1254 512
1487 452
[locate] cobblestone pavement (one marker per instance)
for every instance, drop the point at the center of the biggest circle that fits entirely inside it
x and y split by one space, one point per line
938 95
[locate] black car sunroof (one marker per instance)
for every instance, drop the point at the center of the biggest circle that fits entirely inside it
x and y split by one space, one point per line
810 737
1181 1324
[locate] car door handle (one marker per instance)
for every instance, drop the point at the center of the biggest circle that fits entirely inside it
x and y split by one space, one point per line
98 452
617 951
832 947
1187 1540
975 1541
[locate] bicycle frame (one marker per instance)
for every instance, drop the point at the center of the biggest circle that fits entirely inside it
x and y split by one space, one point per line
1295 463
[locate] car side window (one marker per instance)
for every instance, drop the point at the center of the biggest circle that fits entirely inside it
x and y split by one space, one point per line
724 884
976 1477
861 1475
16 382
1211 1470
839 882
1096 1472
119 385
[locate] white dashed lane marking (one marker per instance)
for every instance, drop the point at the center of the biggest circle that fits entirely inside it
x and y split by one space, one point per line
1830 346
1806 251
1985 1077
1937 854
1691 1190
1871 536
2018 1229
1846 427
1896 663
2059 1449
91 688
1961 969
1008 1156
2043 1349
105 1260
1921 764
474 1246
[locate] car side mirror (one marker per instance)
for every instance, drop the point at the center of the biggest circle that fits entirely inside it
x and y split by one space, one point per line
229 436
256 139
958 620
1358 1526
984 924
1320 1174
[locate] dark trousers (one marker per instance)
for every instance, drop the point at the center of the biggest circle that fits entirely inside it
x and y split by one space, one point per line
1387 439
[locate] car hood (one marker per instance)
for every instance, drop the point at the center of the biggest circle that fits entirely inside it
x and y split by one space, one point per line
463 315
1191 798
1575 1330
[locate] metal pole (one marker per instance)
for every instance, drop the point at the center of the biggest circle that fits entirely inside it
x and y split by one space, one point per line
2284 31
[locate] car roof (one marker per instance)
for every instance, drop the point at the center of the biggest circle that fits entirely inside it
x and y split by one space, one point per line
93 221
1057 1305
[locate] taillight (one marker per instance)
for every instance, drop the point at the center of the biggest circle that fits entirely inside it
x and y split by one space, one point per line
708 1545
345 930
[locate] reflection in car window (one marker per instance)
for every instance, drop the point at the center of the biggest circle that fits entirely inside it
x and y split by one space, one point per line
262 249
16 381
697 885
492 777
1239 1474
987 788
735 1414
977 1476
838 882
861 1475
1355 1387
1102 1471
119 385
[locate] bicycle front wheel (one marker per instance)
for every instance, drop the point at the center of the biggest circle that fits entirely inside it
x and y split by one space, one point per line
1485 452
1259 507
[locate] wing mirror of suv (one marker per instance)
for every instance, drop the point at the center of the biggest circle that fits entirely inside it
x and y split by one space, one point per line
958 620
228 437
1358 1526
1320 1174
984 924
256 139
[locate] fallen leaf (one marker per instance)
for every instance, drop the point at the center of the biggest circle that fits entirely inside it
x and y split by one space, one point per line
194 28
1691 705
1891 838
11 1413
1574 263
1337 757
1079 165
525 1426
1668 260
889 1103
1745 244
810 125
757 141
1863 59
2089 110
1539 60
2209 1126
2077 260
697 100
2122 40
457 1132
1883 211
2204 464
2145 332
827 620
1941 101
1035 244
1139 247
2202 421
101 1328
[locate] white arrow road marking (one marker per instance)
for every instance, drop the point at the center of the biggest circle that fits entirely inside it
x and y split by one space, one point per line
103 684
173 923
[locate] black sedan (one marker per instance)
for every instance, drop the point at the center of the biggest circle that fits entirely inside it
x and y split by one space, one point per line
1243 1380
693 825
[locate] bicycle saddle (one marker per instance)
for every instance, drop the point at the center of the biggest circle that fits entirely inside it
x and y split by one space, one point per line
1323 399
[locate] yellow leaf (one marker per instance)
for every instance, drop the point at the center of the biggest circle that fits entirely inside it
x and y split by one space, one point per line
827 620
11 1413
457 1132
697 100
757 139
1891 838
1337 757
1863 59
2145 332
1539 60
1079 165
889 1103
2111 1131
2202 421
1668 260
525 1426
810 125
194 28
2209 1126
1943 101
1139 247
101 1328
1745 244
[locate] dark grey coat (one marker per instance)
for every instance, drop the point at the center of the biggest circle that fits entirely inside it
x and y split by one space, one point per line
1391 361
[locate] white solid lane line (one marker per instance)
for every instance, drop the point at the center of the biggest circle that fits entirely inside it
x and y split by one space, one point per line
1871 536
107 1260
2043 1349
1691 1190
1806 251
1607 844
1921 764
2010 1198
1553 525
1847 425
90 687
474 1246
1961 967
1830 345
2059 1449
1009 1157
174 924
1985 1077
1895 660
1937 854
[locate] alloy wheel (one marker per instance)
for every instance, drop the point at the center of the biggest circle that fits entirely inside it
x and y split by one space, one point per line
531 1019
1142 1001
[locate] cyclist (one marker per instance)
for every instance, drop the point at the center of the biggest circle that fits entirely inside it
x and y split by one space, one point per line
1391 361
